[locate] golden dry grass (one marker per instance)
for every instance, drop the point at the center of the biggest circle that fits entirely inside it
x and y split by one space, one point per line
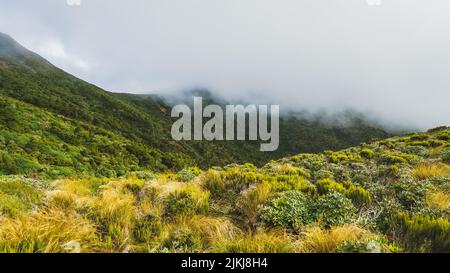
273 241
49 231
251 200
438 200
317 240
424 171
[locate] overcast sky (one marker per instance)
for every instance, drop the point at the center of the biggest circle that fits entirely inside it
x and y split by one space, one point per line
389 58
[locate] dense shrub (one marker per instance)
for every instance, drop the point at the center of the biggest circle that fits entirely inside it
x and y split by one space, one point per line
410 193
186 202
145 175
187 175
446 157
367 153
288 210
334 209
422 233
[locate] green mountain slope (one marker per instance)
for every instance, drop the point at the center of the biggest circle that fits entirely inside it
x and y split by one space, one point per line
142 122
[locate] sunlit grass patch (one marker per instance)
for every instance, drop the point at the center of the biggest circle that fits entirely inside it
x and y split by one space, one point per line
317 240
49 231
438 200
17 197
424 171
251 200
81 187
274 241
114 213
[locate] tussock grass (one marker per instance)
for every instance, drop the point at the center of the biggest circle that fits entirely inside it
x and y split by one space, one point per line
438 200
273 241
250 201
207 232
81 187
213 181
424 171
317 240
114 213
49 231
62 200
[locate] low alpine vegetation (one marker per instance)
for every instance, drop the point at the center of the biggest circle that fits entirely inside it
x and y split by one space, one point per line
387 196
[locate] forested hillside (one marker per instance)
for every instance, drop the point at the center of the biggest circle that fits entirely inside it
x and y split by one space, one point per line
55 124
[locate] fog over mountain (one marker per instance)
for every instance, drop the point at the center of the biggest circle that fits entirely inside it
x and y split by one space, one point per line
389 59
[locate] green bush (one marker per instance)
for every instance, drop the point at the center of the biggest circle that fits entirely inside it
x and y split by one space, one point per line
179 203
393 159
147 228
187 175
326 185
186 202
437 143
419 137
446 157
334 209
289 210
291 183
410 193
367 153
182 240
423 233
358 195
444 136
145 175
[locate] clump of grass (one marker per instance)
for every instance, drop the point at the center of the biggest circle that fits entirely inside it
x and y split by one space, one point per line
49 231
250 201
438 200
291 170
61 199
11 206
188 174
425 171
186 200
147 228
326 185
317 240
81 187
211 230
273 241
17 197
114 214
212 180
282 183
422 232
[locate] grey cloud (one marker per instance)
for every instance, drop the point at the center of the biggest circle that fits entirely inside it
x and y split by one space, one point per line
391 61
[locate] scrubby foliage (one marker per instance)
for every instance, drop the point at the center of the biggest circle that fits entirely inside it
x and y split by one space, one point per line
391 199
